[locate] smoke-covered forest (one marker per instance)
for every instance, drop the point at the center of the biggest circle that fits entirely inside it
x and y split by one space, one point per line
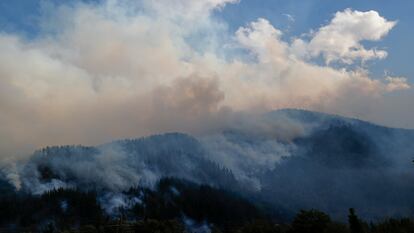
248 178
206 116
173 206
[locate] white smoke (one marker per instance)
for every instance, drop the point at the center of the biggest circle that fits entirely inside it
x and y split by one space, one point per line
195 227
121 68
110 169
113 203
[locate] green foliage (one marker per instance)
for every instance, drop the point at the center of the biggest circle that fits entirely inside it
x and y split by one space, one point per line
26 210
156 226
335 227
355 224
311 221
163 210
404 225
173 198
261 226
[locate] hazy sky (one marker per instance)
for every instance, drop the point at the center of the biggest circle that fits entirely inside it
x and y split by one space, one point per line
93 71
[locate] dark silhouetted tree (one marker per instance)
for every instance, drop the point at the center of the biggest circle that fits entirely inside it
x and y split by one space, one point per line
312 221
355 224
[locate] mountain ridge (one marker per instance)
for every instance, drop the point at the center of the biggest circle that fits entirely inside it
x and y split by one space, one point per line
350 155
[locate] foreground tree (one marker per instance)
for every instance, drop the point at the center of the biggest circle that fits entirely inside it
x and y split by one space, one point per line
355 224
312 221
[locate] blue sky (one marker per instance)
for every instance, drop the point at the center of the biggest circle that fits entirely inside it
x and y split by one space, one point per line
314 13
22 16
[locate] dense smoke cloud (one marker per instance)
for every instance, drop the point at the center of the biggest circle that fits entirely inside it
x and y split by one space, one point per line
119 69
291 159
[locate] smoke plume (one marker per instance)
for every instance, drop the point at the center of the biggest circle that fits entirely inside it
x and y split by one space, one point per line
120 69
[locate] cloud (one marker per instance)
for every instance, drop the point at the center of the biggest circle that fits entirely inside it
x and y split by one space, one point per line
397 83
341 39
288 81
290 17
119 68
262 38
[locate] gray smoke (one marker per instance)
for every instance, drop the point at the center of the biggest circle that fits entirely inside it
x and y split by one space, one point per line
291 159
121 69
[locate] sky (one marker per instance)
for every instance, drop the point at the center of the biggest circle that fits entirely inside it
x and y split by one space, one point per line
311 14
294 17
88 72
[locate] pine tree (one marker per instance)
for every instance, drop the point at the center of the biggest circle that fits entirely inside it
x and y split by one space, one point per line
355 225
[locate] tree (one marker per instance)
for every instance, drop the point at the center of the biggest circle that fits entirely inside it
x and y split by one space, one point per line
355 223
311 221
261 226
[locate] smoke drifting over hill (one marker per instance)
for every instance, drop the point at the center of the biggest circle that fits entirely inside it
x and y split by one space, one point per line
331 163
120 68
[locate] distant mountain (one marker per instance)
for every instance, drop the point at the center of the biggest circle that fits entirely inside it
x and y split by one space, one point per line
289 159
341 163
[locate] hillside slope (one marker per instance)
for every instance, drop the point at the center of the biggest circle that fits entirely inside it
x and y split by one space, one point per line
290 159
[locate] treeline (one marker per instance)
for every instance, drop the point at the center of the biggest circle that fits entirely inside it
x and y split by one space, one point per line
173 206
311 221
171 199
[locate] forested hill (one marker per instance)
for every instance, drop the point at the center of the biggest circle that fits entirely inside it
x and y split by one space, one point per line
278 164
